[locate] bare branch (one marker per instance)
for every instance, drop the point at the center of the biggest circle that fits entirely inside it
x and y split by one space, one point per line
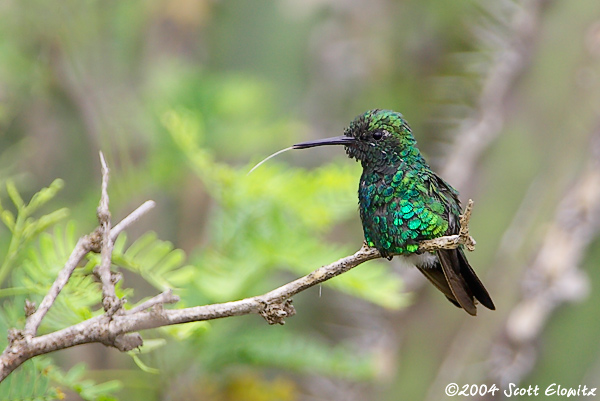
109 297
34 320
103 207
83 246
117 330
165 297
131 218
477 132
554 277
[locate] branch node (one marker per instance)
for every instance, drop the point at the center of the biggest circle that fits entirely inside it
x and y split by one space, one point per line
14 336
465 238
29 308
103 215
112 304
115 277
95 240
276 312
127 342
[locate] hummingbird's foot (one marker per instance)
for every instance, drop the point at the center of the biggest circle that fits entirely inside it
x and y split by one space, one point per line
466 238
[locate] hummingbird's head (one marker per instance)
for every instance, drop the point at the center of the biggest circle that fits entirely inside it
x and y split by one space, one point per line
376 138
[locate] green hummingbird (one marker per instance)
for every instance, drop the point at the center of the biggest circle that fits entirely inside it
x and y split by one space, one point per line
402 201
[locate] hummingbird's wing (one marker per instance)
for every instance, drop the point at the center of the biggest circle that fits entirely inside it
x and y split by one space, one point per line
460 278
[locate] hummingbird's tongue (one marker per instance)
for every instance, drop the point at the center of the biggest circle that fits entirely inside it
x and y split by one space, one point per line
269 157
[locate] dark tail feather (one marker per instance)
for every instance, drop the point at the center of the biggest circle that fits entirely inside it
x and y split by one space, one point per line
436 276
474 283
451 267
455 278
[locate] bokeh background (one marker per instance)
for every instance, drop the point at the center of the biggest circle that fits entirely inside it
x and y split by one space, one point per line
184 96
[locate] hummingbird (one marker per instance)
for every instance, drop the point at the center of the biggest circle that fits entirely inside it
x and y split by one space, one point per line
402 201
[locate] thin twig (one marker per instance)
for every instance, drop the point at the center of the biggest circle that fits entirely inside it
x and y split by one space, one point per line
33 321
165 297
109 297
131 218
477 132
118 330
82 248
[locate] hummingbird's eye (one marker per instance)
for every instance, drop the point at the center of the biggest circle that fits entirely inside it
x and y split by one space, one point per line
377 135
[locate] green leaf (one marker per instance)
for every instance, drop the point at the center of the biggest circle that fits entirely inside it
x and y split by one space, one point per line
297 352
76 373
188 330
155 260
14 195
9 292
38 271
34 228
101 390
145 367
8 219
86 388
44 195
29 382
24 227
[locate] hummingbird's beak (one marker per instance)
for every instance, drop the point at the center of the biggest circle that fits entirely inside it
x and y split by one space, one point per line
336 140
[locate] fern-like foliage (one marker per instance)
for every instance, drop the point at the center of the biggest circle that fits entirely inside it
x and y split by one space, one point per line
33 259
74 379
298 351
40 380
276 218
80 297
157 261
24 226
265 228
31 383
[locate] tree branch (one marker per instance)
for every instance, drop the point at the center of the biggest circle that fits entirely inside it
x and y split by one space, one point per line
481 129
165 297
117 327
109 298
131 218
33 321
555 275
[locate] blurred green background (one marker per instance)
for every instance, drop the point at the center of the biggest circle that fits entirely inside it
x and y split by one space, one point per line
184 96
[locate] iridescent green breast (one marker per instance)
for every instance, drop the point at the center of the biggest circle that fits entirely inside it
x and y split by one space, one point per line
402 208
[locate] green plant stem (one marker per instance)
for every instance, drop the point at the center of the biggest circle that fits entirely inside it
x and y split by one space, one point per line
13 249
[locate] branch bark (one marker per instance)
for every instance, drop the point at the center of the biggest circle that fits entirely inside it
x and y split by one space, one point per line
118 328
110 302
554 277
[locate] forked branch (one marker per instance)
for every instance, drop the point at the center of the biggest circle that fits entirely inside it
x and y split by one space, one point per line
117 327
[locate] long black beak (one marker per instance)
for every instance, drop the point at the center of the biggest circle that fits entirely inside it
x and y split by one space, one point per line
336 140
